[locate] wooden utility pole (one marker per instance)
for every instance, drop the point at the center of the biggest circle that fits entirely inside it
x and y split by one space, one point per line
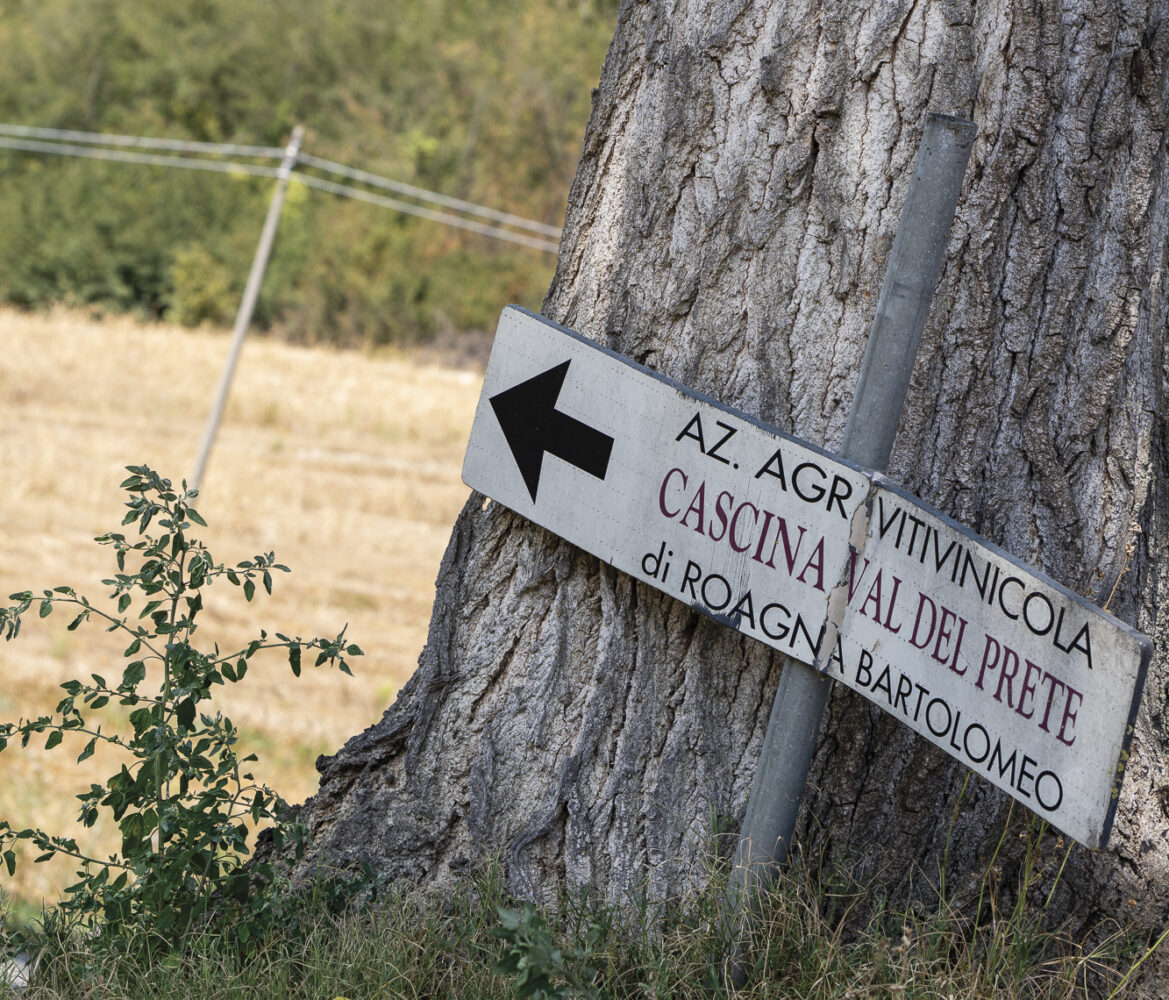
243 318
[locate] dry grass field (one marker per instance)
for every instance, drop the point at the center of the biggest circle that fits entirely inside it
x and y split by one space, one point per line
347 466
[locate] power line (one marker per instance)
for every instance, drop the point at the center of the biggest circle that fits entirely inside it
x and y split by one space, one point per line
141 141
408 189
64 142
126 156
426 213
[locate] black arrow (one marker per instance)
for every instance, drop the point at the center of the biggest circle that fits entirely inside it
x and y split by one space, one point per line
532 425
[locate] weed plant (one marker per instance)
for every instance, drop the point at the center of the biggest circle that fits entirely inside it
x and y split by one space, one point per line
821 936
184 798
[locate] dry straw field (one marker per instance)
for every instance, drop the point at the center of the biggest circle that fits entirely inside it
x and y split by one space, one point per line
346 465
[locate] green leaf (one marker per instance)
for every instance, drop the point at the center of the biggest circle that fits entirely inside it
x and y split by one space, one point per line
294 660
509 919
140 719
46 608
88 751
10 861
124 602
53 740
354 650
185 713
249 590
195 516
134 673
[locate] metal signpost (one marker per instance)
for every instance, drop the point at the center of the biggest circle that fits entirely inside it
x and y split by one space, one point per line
820 557
916 258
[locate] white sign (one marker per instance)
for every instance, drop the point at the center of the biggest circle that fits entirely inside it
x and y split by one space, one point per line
1012 674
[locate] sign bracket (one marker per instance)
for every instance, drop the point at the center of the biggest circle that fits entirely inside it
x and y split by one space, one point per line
914 265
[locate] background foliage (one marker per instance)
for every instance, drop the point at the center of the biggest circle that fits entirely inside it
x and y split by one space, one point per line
480 99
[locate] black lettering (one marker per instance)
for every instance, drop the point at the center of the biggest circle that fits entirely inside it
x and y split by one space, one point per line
925 543
719 604
904 690
744 608
864 667
1003 765
917 523
816 491
783 630
941 558
1025 775
969 564
922 692
802 626
841 491
1002 590
693 430
886 525
653 559
689 578
774 467
1082 641
939 733
1058 790
954 732
985 743
1042 598
730 433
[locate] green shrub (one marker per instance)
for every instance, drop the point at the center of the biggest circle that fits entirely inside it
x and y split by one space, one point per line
185 798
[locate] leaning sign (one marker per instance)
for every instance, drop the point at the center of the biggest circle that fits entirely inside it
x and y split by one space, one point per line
1018 678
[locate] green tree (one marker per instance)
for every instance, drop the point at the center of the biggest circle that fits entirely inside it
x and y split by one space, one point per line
479 100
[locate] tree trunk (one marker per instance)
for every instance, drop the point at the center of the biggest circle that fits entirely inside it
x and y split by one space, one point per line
739 189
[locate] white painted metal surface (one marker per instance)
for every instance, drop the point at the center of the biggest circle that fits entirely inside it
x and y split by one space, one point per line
1012 674
1021 680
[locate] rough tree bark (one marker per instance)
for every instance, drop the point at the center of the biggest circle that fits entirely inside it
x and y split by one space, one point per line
740 183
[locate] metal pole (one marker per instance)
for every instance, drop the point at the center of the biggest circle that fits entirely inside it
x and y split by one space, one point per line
912 272
247 306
